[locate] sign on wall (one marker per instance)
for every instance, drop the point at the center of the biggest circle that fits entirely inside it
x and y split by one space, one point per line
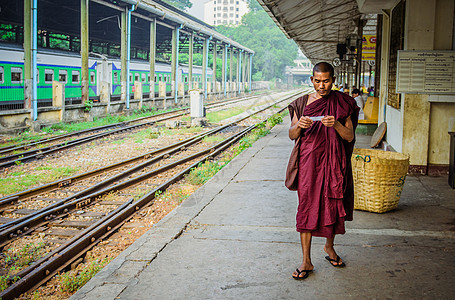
426 72
368 47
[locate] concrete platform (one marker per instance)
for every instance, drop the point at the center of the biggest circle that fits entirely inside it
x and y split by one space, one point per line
235 238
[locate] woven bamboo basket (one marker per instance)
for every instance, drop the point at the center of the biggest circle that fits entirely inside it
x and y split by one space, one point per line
378 179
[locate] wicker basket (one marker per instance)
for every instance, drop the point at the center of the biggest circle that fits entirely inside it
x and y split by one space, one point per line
378 179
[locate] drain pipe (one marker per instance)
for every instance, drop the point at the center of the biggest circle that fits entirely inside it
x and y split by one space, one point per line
34 60
128 53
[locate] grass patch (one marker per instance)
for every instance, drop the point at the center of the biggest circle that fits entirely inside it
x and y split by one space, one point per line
204 171
213 139
61 128
74 280
177 195
167 131
217 116
21 180
14 262
149 133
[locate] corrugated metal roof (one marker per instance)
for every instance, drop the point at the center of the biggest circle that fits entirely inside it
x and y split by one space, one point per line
317 26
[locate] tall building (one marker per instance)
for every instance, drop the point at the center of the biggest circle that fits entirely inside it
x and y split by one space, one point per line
224 12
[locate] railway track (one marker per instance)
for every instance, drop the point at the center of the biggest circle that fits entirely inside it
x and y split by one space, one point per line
175 161
21 153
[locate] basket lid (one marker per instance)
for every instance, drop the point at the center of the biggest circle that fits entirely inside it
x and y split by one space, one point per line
378 135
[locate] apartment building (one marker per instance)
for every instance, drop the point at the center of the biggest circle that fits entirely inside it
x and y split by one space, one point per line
224 12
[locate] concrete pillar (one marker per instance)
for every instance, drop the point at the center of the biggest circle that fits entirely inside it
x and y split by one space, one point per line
162 89
123 54
138 95
27 53
58 97
152 57
420 33
84 50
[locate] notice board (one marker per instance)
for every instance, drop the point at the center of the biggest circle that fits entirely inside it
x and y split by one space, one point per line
426 72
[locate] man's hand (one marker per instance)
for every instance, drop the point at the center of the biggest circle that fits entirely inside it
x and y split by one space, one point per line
328 121
305 122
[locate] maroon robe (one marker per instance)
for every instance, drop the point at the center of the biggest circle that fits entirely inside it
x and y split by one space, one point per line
325 184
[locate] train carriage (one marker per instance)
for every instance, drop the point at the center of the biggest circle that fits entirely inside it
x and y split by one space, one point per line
64 66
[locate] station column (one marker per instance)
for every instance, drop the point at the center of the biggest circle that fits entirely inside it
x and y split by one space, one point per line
244 56
84 51
251 72
123 73
27 53
190 62
223 69
205 59
231 64
152 57
214 67
239 66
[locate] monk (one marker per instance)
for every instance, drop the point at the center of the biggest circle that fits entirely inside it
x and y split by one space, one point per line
325 121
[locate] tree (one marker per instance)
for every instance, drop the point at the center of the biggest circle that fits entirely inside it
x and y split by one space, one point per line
180 4
273 51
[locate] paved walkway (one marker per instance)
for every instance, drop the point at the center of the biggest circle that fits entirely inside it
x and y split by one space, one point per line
235 238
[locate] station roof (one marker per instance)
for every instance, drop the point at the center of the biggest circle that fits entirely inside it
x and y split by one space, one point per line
63 17
317 26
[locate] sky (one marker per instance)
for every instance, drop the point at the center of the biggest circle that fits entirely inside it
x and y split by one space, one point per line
197 9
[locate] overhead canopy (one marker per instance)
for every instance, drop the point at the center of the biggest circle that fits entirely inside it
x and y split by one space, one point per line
317 26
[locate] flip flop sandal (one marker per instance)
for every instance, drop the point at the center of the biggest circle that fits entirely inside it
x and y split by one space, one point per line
298 277
338 265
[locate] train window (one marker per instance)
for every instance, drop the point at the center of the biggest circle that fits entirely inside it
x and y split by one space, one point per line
37 75
131 77
160 79
16 75
155 78
92 77
1 74
115 77
143 77
148 78
75 76
62 75
48 75
186 79
136 77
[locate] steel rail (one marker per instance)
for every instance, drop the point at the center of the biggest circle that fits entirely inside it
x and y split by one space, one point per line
38 274
23 225
59 259
13 159
25 146
70 180
6 200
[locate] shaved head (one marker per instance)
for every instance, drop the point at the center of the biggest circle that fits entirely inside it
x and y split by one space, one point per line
323 67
